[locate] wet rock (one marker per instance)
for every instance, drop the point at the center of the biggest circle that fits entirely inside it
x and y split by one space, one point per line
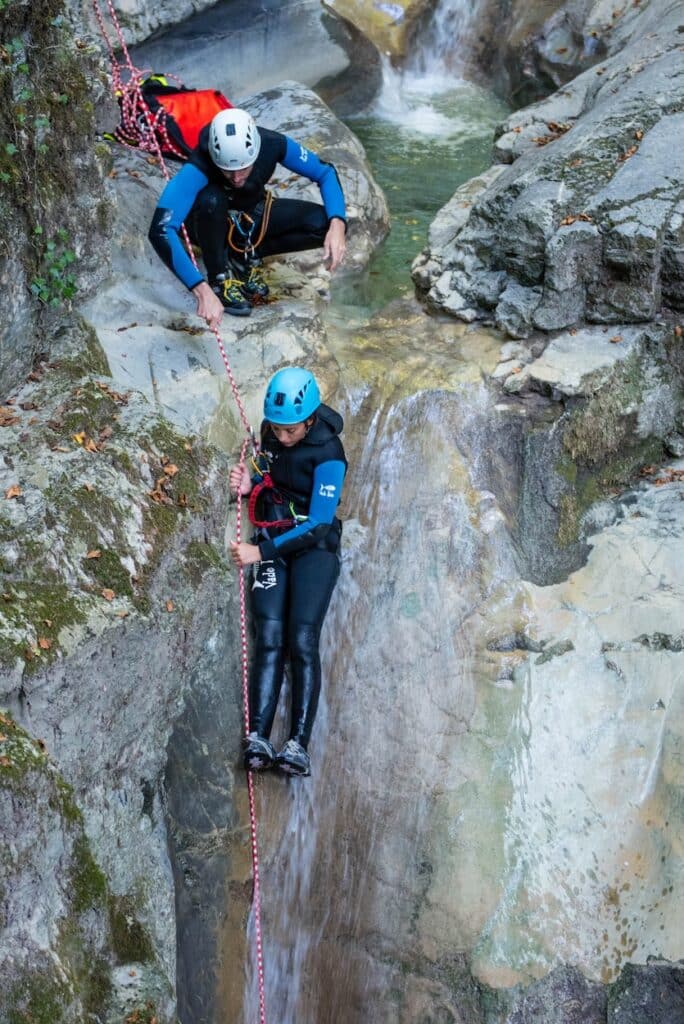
589 209
652 992
564 996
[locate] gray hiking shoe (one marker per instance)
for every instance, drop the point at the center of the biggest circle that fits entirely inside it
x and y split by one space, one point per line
293 759
257 753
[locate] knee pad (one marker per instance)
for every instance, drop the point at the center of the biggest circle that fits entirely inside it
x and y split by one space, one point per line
270 634
303 641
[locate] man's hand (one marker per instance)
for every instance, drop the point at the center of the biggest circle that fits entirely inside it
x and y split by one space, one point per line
335 243
209 306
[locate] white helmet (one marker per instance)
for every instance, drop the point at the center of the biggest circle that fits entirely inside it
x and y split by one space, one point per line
234 140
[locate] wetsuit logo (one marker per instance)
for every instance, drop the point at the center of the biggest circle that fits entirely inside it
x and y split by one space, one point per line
303 154
264 576
327 490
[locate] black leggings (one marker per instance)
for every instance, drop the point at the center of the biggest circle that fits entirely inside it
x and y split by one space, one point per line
290 597
293 225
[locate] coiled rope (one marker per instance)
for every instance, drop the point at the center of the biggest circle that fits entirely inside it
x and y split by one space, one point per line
132 104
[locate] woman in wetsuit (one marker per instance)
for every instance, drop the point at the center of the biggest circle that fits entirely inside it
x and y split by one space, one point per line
297 484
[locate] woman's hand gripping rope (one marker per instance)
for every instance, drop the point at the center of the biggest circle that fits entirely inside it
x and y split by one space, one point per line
240 485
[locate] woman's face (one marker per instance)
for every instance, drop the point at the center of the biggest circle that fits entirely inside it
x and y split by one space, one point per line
290 434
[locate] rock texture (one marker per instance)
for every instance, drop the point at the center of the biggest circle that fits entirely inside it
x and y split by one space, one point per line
53 215
584 224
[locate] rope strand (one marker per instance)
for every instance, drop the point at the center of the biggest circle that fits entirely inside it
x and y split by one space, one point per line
132 102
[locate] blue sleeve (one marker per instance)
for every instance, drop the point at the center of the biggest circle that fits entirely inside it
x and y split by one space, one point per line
325 495
301 160
173 207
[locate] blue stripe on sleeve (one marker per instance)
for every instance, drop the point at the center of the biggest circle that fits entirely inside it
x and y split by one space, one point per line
301 160
175 203
327 488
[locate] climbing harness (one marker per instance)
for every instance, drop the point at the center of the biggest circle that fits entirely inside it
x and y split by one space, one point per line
243 224
132 100
265 483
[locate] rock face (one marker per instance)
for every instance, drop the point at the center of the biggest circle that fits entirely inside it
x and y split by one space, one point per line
53 216
585 223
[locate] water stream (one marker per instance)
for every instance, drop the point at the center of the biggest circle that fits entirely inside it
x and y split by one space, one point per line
346 862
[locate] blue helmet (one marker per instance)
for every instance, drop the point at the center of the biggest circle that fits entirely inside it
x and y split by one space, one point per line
292 396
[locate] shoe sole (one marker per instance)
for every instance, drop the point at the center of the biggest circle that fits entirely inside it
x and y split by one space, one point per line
290 769
258 765
237 312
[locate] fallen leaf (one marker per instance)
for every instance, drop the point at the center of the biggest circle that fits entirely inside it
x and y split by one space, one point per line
89 488
122 614
90 445
586 218
14 491
561 49
568 220
105 433
5 761
516 369
59 448
95 553
27 406
182 500
44 643
627 154
517 129
576 163
79 438
47 622
8 416
171 470
679 331
638 135
170 606
615 339
108 594
187 446
573 331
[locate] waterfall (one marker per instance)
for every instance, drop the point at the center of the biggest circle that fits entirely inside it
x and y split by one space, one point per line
441 51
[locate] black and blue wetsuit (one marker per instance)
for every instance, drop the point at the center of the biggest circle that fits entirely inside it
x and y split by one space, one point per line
201 194
293 584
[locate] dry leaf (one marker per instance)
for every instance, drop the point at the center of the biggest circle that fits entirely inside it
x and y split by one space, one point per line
171 470
59 448
8 416
14 491
568 220
170 606
561 49
79 438
89 488
679 331
47 622
90 446
627 154
44 643
27 406
108 594
517 129
638 135
187 446
615 339
576 163
122 614
105 433
95 553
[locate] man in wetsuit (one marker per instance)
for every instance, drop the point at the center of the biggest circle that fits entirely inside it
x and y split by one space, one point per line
222 187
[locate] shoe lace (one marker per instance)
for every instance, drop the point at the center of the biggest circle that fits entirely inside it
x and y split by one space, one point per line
231 289
256 277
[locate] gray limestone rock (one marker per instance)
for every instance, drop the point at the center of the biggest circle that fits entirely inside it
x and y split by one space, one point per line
652 992
588 209
564 996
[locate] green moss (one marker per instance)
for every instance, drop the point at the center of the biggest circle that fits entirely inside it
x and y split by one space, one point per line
109 570
201 558
31 617
130 940
88 884
83 340
39 998
20 754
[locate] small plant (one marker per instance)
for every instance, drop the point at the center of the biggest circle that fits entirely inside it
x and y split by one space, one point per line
55 284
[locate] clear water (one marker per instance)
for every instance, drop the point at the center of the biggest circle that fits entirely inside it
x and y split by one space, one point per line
422 141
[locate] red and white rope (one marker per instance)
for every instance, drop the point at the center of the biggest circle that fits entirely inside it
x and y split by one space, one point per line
132 104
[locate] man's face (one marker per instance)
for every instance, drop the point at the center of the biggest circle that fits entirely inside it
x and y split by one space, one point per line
238 178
